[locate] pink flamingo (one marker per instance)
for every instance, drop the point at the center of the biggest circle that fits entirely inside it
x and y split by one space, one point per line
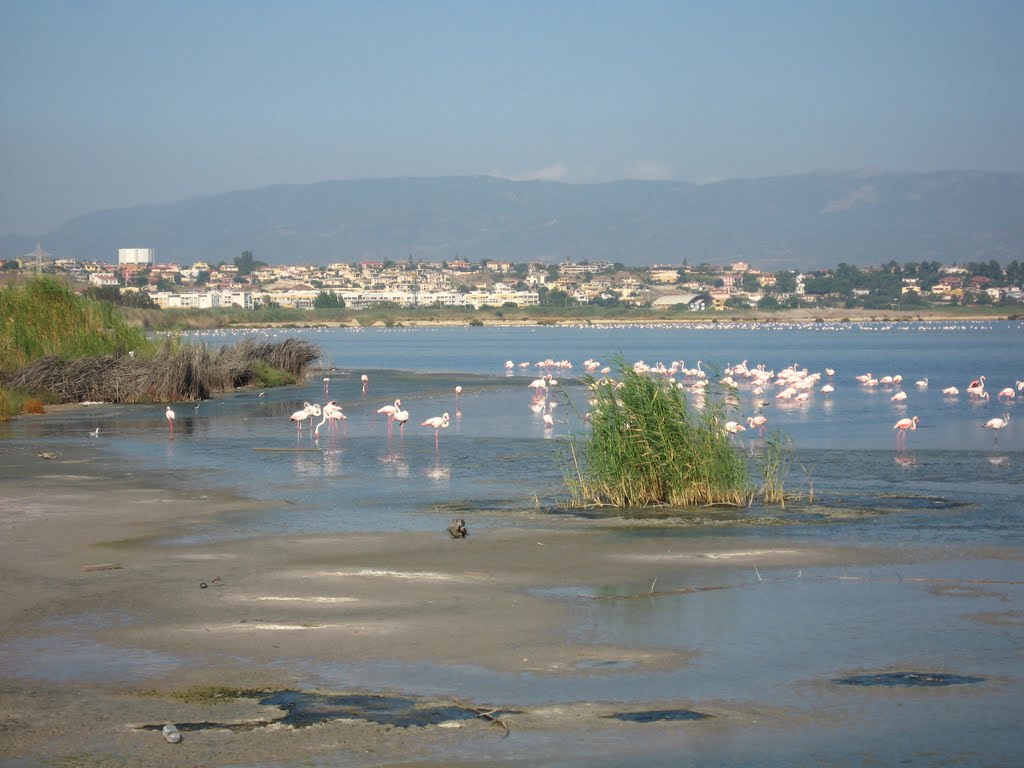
298 417
903 425
977 387
169 415
757 422
400 417
996 424
389 411
438 423
366 382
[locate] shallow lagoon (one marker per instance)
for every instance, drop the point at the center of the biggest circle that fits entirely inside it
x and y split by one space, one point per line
775 636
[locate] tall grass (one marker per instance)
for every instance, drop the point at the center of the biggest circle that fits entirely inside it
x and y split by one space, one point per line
44 317
648 446
63 348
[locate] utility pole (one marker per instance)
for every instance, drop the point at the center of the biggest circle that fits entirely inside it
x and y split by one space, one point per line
39 254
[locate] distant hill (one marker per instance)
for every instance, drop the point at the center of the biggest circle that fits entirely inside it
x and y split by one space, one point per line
806 221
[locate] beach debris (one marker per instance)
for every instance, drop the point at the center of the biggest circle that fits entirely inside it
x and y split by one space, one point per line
47 455
202 585
458 529
171 733
103 567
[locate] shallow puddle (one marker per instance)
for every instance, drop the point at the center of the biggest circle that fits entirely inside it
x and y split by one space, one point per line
908 679
658 715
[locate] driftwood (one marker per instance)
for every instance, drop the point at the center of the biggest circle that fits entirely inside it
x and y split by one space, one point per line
486 714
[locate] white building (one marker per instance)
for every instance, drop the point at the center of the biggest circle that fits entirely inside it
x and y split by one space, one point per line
206 300
143 256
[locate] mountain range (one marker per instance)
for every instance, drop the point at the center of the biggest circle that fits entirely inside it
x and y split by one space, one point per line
806 221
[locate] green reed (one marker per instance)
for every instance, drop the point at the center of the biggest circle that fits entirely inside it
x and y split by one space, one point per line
648 446
44 317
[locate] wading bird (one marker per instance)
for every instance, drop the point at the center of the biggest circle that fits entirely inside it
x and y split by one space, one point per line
169 415
438 423
996 424
903 425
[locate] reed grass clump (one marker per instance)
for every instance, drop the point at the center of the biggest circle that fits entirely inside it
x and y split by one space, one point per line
58 347
44 317
11 403
648 446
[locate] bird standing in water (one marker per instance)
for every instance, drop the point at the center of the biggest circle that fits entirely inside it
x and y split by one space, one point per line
438 423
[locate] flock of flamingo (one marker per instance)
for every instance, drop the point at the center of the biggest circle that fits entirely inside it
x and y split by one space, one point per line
331 414
792 383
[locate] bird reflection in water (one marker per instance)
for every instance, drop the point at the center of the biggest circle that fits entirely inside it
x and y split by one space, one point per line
439 472
906 460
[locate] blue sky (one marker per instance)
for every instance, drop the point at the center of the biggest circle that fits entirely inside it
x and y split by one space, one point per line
112 103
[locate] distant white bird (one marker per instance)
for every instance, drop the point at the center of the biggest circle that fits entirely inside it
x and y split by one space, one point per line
169 415
898 397
95 432
923 383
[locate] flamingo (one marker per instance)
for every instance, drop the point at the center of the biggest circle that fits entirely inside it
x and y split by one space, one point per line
327 383
828 389
733 427
300 416
458 391
1007 393
366 382
169 415
922 383
977 387
996 424
549 421
903 425
389 411
400 417
757 422
95 432
898 397
539 384
509 365
438 423
951 391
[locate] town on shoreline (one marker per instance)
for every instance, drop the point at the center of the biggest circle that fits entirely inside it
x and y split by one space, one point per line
500 292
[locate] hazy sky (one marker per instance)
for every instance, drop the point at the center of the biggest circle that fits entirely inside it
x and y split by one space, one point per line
111 103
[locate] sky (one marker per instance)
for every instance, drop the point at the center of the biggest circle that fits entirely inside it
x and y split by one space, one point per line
114 103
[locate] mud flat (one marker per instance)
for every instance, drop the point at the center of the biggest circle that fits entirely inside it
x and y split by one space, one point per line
118 616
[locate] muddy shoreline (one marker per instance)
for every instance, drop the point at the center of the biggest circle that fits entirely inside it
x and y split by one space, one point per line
113 624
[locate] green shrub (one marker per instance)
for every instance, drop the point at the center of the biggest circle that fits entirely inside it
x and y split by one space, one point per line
648 446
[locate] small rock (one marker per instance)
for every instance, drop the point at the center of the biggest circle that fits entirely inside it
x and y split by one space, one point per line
458 529
202 585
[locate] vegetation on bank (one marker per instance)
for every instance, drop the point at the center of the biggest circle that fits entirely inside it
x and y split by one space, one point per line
648 446
58 347
44 317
